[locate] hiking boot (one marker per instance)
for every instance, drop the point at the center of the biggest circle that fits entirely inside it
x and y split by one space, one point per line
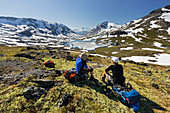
103 79
117 94
109 93
92 78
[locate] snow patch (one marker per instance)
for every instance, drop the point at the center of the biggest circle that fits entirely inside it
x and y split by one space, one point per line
99 55
136 39
86 45
150 49
168 30
164 9
159 59
153 25
127 48
123 41
157 44
114 52
137 21
138 30
165 16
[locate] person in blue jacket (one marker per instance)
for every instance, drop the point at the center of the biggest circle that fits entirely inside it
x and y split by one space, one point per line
82 68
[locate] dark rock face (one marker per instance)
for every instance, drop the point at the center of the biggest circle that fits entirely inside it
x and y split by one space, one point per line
44 82
155 85
24 55
1 77
69 58
168 70
2 55
119 33
64 100
33 92
26 33
33 48
115 44
147 72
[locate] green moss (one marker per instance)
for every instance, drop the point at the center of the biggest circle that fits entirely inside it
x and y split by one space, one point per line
88 96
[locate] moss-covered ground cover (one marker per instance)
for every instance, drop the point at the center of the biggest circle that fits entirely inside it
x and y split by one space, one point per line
88 96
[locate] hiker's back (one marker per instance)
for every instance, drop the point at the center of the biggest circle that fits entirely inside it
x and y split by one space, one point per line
118 74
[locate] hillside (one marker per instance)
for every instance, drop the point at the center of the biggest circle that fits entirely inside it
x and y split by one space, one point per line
20 68
145 38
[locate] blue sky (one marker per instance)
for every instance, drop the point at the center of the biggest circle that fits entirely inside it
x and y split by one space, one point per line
81 13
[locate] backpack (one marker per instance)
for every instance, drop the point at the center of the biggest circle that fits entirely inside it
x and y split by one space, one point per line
49 64
71 75
132 98
129 95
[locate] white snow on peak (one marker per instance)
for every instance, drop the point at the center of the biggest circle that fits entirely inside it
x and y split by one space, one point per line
137 21
166 16
164 9
81 29
106 27
113 25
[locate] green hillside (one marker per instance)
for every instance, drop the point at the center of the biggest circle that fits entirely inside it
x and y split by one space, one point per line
18 73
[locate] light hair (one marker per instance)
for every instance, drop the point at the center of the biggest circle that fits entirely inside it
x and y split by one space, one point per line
83 55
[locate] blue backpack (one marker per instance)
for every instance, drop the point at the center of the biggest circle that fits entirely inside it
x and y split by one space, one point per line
132 98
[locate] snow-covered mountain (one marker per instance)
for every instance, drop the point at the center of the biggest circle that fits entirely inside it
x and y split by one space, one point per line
104 27
33 32
82 31
28 27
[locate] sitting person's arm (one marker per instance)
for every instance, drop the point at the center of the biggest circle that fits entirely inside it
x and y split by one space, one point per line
107 70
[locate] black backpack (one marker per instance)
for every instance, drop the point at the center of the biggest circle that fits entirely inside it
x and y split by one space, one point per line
71 75
49 64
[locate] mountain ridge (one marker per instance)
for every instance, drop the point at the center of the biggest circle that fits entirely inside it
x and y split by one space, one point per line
103 28
35 24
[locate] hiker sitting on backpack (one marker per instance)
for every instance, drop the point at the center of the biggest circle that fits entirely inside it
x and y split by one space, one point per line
82 68
117 73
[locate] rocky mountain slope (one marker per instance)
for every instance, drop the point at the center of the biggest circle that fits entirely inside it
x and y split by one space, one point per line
33 32
30 26
155 26
103 28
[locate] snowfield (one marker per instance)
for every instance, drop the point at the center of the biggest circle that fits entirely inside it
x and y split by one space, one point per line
159 59
84 44
127 48
150 49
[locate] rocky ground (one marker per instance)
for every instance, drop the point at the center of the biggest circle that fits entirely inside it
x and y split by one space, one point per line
26 85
